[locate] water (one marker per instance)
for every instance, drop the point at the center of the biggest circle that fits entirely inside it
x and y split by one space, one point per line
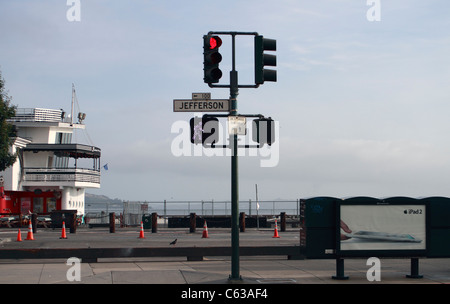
107 208
198 207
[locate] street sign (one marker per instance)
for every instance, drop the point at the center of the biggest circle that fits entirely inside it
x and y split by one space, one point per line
236 125
192 105
201 96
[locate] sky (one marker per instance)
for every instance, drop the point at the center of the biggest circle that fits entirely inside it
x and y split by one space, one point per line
361 100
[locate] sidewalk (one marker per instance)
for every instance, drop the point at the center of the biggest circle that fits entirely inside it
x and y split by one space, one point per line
212 270
216 270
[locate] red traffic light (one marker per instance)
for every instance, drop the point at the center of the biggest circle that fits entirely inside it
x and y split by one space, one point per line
215 42
211 59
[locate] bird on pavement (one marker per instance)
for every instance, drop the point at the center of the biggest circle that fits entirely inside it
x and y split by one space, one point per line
173 242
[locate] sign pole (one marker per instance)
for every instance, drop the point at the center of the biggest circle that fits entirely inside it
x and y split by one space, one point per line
202 102
257 207
234 91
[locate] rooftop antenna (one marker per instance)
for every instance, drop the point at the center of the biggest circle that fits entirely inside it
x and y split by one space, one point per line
81 116
73 97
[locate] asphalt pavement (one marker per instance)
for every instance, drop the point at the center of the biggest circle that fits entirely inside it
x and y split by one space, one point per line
261 270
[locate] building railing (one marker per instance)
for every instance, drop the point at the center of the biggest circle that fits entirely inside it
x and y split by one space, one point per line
37 114
133 211
61 175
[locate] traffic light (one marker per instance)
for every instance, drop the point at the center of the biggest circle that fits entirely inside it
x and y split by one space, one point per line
261 59
263 131
211 59
204 130
196 130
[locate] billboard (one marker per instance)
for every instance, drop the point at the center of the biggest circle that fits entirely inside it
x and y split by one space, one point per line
382 228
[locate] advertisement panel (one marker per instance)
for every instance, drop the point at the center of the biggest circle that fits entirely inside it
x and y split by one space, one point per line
382 228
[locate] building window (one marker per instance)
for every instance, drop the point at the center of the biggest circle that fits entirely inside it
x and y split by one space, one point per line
38 204
25 205
62 138
51 204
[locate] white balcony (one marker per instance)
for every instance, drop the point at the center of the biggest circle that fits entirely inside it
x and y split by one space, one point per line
36 174
37 115
72 177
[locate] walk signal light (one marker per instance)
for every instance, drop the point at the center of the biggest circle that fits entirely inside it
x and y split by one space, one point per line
204 130
196 130
262 59
263 131
211 59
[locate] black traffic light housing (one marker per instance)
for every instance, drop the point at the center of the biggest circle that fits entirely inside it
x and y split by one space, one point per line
211 59
263 131
204 130
261 59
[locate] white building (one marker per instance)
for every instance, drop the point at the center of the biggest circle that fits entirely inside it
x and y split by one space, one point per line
51 172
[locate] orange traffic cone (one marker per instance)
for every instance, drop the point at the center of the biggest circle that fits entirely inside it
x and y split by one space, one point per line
205 231
63 233
275 234
30 233
19 236
141 234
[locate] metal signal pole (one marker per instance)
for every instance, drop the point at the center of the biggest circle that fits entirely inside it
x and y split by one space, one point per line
233 139
234 91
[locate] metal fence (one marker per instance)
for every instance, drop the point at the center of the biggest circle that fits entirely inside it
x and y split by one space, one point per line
133 211
37 114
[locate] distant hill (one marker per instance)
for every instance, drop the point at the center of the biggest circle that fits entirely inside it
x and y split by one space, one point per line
92 199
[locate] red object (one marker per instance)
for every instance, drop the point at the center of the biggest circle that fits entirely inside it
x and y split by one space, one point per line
215 42
205 231
275 233
19 236
63 233
16 202
3 206
30 233
141 234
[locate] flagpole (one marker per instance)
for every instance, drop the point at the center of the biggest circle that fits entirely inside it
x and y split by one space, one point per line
257 208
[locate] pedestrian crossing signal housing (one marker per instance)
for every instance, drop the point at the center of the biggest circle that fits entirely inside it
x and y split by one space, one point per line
211 59
262 59
204 130
263 131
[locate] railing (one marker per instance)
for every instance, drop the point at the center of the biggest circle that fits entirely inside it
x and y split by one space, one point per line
37 114
213 207
61 175
133 211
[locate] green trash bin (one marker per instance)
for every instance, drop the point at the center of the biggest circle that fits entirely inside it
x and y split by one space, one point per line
147 221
